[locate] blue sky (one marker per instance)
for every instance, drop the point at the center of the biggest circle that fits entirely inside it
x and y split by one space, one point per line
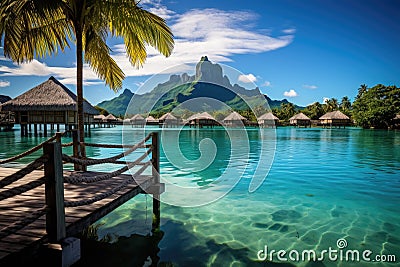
303 51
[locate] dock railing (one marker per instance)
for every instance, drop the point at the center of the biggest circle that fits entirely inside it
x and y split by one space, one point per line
52 162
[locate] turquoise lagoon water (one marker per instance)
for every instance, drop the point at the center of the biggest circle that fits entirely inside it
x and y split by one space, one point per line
323 185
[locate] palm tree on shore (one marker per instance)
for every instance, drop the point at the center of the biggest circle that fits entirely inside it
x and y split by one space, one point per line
363 88
38 28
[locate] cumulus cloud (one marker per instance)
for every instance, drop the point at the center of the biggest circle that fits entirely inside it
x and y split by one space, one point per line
66 75
216 33
290 93
247 78
308 86
4 83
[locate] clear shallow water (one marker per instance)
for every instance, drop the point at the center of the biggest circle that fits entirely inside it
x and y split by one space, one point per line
324 184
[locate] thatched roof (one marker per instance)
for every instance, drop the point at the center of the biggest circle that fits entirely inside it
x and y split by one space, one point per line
99 117
137 117
167 116
300 117
334 115
110 117
268 117
151 119
50 95
201 116
234 116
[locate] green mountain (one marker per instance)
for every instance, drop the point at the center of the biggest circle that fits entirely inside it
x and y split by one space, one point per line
207 90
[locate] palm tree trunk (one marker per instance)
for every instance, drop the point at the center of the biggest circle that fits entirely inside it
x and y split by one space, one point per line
79 89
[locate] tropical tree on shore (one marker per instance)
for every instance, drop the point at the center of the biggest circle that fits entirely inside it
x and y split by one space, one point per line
314 111
363 89
38 28
285 112
377 106
331 105
345 106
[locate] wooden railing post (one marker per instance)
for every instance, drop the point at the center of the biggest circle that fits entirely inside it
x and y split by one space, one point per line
54 191
58 137
76 149
155 154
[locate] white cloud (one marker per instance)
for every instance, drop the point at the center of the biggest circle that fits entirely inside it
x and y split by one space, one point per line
215 33
266 84
289 31
249 78
4 83
66 75
325 99
162 11
308 86
290 93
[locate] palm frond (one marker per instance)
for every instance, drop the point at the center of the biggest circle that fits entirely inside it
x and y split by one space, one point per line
97 54
32 30
139 28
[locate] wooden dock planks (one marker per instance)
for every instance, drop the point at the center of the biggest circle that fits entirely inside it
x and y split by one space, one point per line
77 218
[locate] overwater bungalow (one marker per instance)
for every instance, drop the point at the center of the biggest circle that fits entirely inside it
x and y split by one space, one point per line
150 120
334 119
268 120
201 119
300 120
137 120
235 119
110 118
7 119
168 120
49 103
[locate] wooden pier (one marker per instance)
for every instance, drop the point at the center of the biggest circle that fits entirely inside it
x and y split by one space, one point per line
42 205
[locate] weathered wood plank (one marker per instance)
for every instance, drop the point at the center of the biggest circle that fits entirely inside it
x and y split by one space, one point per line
76 218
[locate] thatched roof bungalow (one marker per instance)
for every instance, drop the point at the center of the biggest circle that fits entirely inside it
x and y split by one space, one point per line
99 118
334 118
201 119
48 103
150 120
110 118
168 120
300 120
137 120
268 120
235 119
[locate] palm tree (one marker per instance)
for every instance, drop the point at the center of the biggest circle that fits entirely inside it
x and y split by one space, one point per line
37 28
331 105
363 88
345 104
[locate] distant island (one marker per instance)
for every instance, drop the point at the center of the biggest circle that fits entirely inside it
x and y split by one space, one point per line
373 107
208 81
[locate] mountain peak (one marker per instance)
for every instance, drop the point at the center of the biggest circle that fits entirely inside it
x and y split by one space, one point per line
206 71
204 58
127 92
